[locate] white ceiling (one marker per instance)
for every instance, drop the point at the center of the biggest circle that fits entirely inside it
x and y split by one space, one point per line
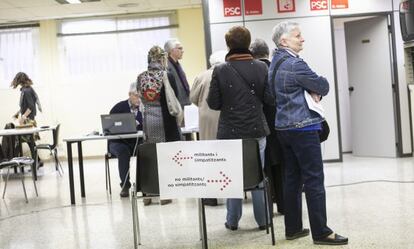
15 11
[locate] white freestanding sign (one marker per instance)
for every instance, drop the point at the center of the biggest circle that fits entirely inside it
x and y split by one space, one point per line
200 169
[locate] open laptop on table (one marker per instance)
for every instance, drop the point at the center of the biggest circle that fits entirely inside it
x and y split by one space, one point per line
118 123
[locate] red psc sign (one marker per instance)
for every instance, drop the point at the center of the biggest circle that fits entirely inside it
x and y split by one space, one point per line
232 7
319 5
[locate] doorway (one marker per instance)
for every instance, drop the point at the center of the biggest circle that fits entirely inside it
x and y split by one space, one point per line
365 80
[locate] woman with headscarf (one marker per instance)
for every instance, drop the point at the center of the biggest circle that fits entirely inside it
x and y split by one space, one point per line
158 124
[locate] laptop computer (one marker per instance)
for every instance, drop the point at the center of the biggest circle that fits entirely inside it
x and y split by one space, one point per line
118 123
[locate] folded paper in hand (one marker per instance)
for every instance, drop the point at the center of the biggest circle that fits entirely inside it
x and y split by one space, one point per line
313 105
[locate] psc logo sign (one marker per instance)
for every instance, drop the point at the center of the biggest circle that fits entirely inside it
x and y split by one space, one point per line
232 7
319 5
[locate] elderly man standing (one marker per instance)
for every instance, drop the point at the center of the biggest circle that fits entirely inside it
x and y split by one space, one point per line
123 149
175 53
297 127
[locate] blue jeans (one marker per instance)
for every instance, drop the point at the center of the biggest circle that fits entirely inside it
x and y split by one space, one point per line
304 168
123 151
234 206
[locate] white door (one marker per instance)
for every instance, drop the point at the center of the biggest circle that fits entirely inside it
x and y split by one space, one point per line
371 93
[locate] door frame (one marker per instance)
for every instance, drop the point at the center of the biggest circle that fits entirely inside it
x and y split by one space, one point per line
394 73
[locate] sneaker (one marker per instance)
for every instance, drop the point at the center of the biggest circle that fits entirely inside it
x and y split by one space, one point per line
165 202
124 192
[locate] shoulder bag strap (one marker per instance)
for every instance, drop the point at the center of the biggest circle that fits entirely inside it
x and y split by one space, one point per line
246 82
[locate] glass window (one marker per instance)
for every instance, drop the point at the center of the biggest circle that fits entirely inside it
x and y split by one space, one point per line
18 53
111 45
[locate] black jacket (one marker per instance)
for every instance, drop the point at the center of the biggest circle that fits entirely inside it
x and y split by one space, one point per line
238 89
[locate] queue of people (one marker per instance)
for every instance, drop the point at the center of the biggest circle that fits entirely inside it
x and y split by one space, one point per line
242 95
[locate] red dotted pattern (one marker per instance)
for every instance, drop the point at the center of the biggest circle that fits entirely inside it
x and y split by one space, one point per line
225 181
178 159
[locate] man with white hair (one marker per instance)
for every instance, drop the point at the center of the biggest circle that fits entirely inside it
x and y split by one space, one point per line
123 149
208 118
175 53
297 128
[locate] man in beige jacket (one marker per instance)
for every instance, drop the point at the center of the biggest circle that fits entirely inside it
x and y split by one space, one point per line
208 119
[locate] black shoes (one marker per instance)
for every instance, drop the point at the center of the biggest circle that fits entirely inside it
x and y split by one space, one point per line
232 228
263 227
297 235
337 240
147 201
165 202
210 202
124 192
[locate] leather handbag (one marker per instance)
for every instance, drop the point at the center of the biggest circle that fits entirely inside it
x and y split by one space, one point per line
174 106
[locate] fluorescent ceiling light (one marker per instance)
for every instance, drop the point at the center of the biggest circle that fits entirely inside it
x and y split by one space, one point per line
73 1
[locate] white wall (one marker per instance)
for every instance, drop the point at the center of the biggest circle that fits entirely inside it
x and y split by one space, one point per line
77 103
403 89
343 84
318 53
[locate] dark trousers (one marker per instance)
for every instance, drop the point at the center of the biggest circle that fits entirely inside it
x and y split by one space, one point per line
123 151
304 170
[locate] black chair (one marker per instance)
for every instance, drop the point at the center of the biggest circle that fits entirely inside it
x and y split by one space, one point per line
148 183
52 148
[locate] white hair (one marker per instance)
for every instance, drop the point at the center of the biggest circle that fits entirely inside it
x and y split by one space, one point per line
133 87
217 57
282 29
171 44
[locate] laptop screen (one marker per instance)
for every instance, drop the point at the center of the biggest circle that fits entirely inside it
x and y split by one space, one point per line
118 123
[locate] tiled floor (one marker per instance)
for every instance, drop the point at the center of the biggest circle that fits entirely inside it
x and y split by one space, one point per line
370 200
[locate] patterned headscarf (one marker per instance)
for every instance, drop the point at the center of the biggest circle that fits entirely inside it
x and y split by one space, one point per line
150 82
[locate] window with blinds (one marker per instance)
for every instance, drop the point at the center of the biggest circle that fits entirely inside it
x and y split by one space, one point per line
19 49
112 44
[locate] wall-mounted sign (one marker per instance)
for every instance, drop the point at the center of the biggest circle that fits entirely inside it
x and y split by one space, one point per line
253 7
232 8
318 5
339 4
285 6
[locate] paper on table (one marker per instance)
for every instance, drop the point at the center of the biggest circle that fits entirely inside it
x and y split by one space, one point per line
191 116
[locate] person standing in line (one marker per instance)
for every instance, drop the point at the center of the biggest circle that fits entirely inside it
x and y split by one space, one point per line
238 89
158 124
28 102
123 149
208 119
297 128
273 152
175 53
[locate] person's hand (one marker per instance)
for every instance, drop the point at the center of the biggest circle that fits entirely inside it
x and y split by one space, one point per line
22 119
316 97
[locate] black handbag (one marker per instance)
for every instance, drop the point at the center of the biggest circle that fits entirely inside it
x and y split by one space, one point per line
324 133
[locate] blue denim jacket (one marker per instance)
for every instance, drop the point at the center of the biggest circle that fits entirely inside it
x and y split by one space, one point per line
292 78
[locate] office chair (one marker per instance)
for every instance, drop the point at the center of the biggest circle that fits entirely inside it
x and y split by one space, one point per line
19 162
148 183
52 148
